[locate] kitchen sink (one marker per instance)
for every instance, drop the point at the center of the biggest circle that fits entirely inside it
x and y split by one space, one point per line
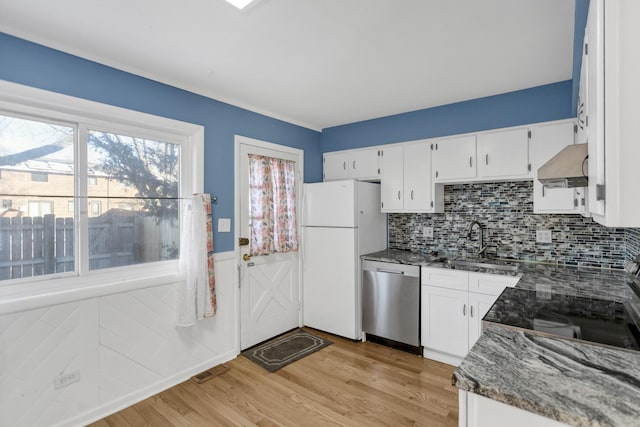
473 263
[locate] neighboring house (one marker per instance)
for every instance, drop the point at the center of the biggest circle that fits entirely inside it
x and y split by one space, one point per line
49 184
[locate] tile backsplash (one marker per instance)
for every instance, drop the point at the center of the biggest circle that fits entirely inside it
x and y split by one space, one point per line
505 210
633 243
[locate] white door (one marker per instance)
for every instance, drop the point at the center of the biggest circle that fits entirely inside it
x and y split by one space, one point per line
334 166
364 164
445 325
270 284
391 178
454 158
417 176
547 142
479 305
503 153
331 293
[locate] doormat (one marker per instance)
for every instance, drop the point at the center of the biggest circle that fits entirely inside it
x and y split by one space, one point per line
283 350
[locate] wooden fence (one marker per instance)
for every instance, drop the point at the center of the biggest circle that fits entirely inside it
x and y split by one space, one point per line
45 245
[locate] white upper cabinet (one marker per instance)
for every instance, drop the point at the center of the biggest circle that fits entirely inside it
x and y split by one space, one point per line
361 164
504 154
392 178
405 179
334 166
485 156
417 176
547 140
613 105
364 164
454 158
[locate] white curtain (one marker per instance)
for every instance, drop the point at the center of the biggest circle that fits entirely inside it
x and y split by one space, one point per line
196 296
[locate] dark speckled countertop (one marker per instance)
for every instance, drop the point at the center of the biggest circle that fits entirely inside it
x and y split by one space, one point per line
571 380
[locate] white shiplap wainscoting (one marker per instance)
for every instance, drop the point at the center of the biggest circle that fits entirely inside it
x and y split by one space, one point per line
125 347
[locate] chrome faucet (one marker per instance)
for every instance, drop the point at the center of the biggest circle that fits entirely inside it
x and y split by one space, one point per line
483 248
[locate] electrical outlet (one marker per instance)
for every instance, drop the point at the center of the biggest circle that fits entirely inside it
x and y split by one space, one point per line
427 232
64 380
543 236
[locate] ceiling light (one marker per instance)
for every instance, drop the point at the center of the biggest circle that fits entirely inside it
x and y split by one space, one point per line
239 3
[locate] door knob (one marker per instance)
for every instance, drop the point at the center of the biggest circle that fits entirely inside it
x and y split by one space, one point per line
246 257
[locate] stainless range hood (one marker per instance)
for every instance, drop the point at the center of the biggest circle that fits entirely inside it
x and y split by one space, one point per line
568 168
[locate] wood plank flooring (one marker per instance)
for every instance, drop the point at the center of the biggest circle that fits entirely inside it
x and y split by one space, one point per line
345 384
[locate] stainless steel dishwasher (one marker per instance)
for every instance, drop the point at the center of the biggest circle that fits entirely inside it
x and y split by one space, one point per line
391 302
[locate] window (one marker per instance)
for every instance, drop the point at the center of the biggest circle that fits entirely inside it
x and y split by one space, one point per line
39 177
6 203
63 146
40 208
96 208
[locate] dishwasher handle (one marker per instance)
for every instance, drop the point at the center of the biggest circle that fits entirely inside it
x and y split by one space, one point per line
380 270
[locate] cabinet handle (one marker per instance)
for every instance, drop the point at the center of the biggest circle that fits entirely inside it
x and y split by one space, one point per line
436 174
354 165
464 309
471 310
543 191
344 165
432 203
470 161
398 194
486 159
575 203
411 194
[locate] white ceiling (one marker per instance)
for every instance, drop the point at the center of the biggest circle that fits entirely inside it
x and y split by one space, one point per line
318 63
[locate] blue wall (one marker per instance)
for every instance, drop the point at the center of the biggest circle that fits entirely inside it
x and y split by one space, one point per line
539 104
582 10
38 66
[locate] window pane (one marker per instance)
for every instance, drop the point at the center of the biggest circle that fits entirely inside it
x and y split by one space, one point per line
36 227
137 193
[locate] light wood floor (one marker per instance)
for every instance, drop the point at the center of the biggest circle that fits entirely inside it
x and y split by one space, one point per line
345 384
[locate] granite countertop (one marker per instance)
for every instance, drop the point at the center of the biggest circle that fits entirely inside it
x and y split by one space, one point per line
398 256
570 381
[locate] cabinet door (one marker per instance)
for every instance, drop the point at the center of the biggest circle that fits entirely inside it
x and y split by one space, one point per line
417 177
504 153
335 166
364 164
444 320
479 305
595 100
391 178
454 158
547 141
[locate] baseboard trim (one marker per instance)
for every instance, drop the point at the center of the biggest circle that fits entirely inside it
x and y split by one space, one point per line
441 357
109 408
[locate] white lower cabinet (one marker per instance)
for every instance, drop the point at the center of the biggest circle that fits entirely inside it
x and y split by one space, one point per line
453 305
480 411
445 326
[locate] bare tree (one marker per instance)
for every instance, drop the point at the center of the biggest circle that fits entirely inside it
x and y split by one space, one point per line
151 167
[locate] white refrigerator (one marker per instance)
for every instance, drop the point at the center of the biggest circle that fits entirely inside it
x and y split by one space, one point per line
341 220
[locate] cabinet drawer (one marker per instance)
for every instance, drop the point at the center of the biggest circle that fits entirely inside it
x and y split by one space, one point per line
443 278
490 284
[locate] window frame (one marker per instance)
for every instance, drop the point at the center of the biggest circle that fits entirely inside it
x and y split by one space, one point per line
28 102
